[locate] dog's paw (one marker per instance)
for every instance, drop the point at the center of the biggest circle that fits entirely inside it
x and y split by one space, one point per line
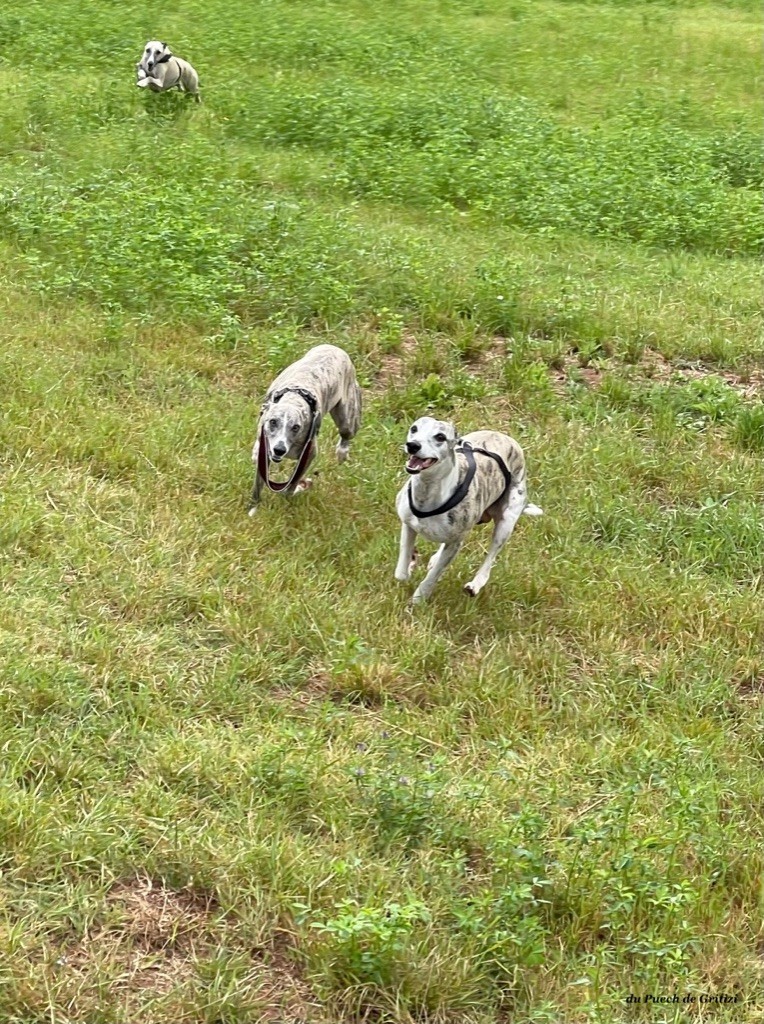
418 598
252 511
341 453
413 562
303 485
472 589
402 577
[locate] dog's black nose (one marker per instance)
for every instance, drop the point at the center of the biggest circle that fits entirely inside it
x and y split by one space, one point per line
279 451
412 447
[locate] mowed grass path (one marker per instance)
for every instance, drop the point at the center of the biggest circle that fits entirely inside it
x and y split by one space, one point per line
241 781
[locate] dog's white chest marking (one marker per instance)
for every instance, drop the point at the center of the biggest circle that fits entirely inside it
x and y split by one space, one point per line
437 529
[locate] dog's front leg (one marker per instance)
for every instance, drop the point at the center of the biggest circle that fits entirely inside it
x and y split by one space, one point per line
438 566
406 556
347 416
305 483
150 83
258 485
342 449
257 488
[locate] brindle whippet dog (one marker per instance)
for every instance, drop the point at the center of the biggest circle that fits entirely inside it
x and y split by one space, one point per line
455 484
323 381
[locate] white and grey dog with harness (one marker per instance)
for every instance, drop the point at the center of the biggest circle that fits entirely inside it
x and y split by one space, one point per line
159 70
322 382
455 484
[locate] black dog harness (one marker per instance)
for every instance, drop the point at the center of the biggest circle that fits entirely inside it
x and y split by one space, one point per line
461 491
263 456
163 60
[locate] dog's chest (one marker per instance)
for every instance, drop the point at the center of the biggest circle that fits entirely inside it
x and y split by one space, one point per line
438 529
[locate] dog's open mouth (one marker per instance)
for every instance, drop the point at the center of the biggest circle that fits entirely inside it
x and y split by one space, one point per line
416 464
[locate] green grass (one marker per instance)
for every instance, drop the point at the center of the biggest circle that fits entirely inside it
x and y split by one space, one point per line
241 780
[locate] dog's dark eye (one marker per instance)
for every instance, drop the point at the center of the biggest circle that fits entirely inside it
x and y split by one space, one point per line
413 430
440 437
273 424
295 427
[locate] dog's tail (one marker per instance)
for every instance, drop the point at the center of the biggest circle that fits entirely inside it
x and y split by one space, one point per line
533 510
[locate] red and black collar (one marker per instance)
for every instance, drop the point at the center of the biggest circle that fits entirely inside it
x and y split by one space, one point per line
263 457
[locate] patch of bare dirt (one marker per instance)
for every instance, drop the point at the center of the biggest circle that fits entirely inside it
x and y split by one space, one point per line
657 367
752 686
157 917
486 355
153 937
149 940
589 375
560 376
749 383
287 997
316 687
392 367
480 353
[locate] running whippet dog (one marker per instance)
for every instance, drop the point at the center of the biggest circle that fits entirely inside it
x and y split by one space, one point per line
455 484
159 70
323 381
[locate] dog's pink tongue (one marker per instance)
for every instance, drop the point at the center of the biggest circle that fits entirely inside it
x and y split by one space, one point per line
417 462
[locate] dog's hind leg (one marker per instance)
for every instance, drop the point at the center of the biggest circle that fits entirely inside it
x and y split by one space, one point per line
502 531
443 559
347 416
192 85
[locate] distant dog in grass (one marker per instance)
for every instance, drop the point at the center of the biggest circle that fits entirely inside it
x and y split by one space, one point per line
323 381
159 70
455 484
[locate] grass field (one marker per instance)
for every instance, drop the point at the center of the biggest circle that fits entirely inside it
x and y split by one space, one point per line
241 781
